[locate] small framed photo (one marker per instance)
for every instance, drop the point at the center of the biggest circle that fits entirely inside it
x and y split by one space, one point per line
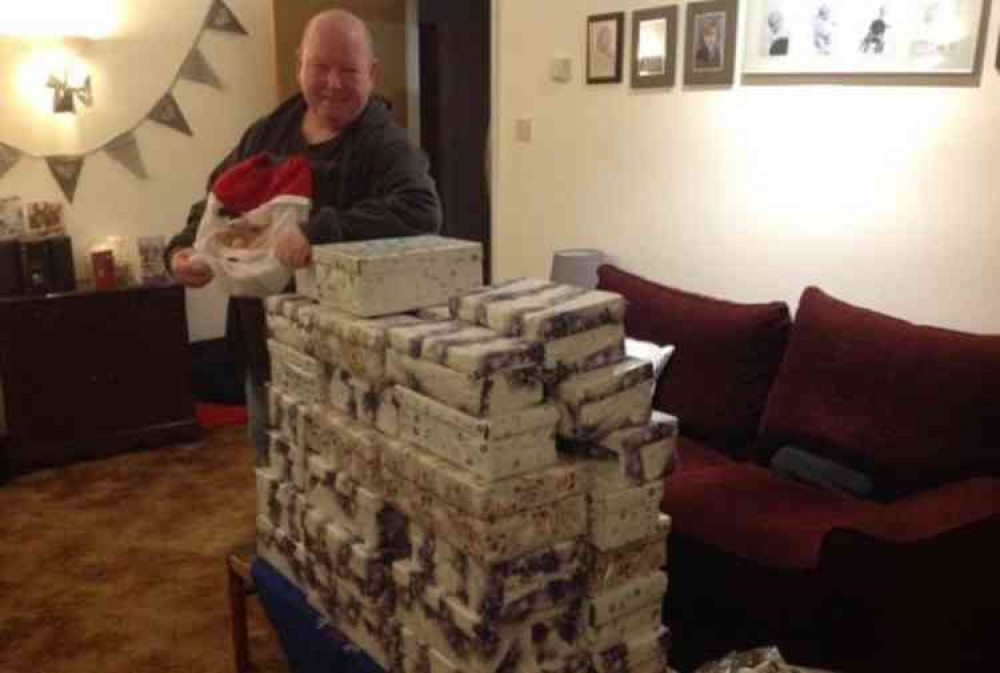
45 219
11 218
710 42
605 45
654 46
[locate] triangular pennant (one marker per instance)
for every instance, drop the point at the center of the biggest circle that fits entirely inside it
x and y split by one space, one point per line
66 171
197 69
168 113
220 17
8 157
125 150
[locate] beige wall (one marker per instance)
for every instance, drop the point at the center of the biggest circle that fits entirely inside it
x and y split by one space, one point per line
882 195
131 70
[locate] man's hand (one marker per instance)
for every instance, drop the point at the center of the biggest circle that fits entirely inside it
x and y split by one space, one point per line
190 272
292 248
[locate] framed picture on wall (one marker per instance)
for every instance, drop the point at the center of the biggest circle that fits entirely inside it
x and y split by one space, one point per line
654 46
863 36
710 42
605 45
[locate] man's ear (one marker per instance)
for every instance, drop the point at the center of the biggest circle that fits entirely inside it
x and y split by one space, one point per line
374 71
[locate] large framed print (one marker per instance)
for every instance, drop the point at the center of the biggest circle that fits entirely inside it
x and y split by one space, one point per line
605 40
654 47
710 42
863 36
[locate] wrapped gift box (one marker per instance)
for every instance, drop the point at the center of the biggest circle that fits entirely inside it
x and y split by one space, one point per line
492 448
488 500
297 374
384 276
540 310
356 344
582 352
475 351
491 541
615 567
643 453
489 395
625 599
596 403
619 517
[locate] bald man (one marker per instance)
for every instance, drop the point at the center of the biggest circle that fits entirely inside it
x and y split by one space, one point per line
369 181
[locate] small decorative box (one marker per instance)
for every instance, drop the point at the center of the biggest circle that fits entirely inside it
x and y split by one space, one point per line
395 275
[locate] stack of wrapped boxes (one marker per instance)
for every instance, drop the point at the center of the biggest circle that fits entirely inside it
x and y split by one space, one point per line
465 478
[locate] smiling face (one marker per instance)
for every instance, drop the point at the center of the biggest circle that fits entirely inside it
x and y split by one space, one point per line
336 69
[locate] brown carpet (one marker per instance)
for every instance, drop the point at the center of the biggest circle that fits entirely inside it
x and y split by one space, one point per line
118 565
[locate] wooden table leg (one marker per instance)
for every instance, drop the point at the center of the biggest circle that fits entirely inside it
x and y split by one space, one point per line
238 619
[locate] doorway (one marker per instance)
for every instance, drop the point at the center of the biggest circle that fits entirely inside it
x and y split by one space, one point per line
454 55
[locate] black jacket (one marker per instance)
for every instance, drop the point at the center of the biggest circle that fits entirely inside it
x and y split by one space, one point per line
368 182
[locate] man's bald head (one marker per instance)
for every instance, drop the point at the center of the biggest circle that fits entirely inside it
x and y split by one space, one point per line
343 22
336 68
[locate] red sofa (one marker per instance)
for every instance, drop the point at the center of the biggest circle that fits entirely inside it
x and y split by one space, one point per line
907 579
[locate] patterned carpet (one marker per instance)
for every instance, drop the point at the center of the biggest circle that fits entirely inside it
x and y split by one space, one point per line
118 565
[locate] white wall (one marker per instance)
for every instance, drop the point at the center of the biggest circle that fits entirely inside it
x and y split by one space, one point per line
885 196
131 70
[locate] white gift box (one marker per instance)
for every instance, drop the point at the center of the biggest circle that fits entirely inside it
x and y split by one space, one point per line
582 352
475 351
488 395
492 448
491 541
596 403
625 599
488 500
644 452
617 518
617 566
354 343
540 310
340 499
395 275
299 375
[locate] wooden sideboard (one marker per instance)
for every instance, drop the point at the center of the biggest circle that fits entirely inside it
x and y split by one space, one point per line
90 374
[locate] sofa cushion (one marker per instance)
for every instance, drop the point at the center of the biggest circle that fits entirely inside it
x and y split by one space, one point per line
727 356
748 511
910 405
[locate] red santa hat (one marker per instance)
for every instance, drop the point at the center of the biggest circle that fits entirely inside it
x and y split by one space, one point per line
264 179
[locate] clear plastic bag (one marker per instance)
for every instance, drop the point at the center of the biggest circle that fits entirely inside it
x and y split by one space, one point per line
241 250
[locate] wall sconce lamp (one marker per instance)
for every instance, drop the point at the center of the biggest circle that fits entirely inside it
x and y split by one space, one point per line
65 94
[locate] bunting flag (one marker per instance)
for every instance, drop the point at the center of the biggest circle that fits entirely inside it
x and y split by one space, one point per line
197 69
220 17
8 157
66 171
168 113
125 150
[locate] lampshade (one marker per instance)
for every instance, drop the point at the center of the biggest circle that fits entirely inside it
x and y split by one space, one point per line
577 266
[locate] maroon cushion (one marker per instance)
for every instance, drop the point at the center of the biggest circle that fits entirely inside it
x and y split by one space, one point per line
749 511
913 406
727 355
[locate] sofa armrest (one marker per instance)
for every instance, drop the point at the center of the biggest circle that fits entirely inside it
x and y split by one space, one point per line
930 513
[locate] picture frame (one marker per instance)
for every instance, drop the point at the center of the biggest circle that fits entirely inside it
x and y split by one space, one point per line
11 218
869 37
654 47
710 42
605 47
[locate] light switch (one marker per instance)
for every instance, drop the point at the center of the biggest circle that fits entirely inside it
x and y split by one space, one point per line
522 130
562 69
